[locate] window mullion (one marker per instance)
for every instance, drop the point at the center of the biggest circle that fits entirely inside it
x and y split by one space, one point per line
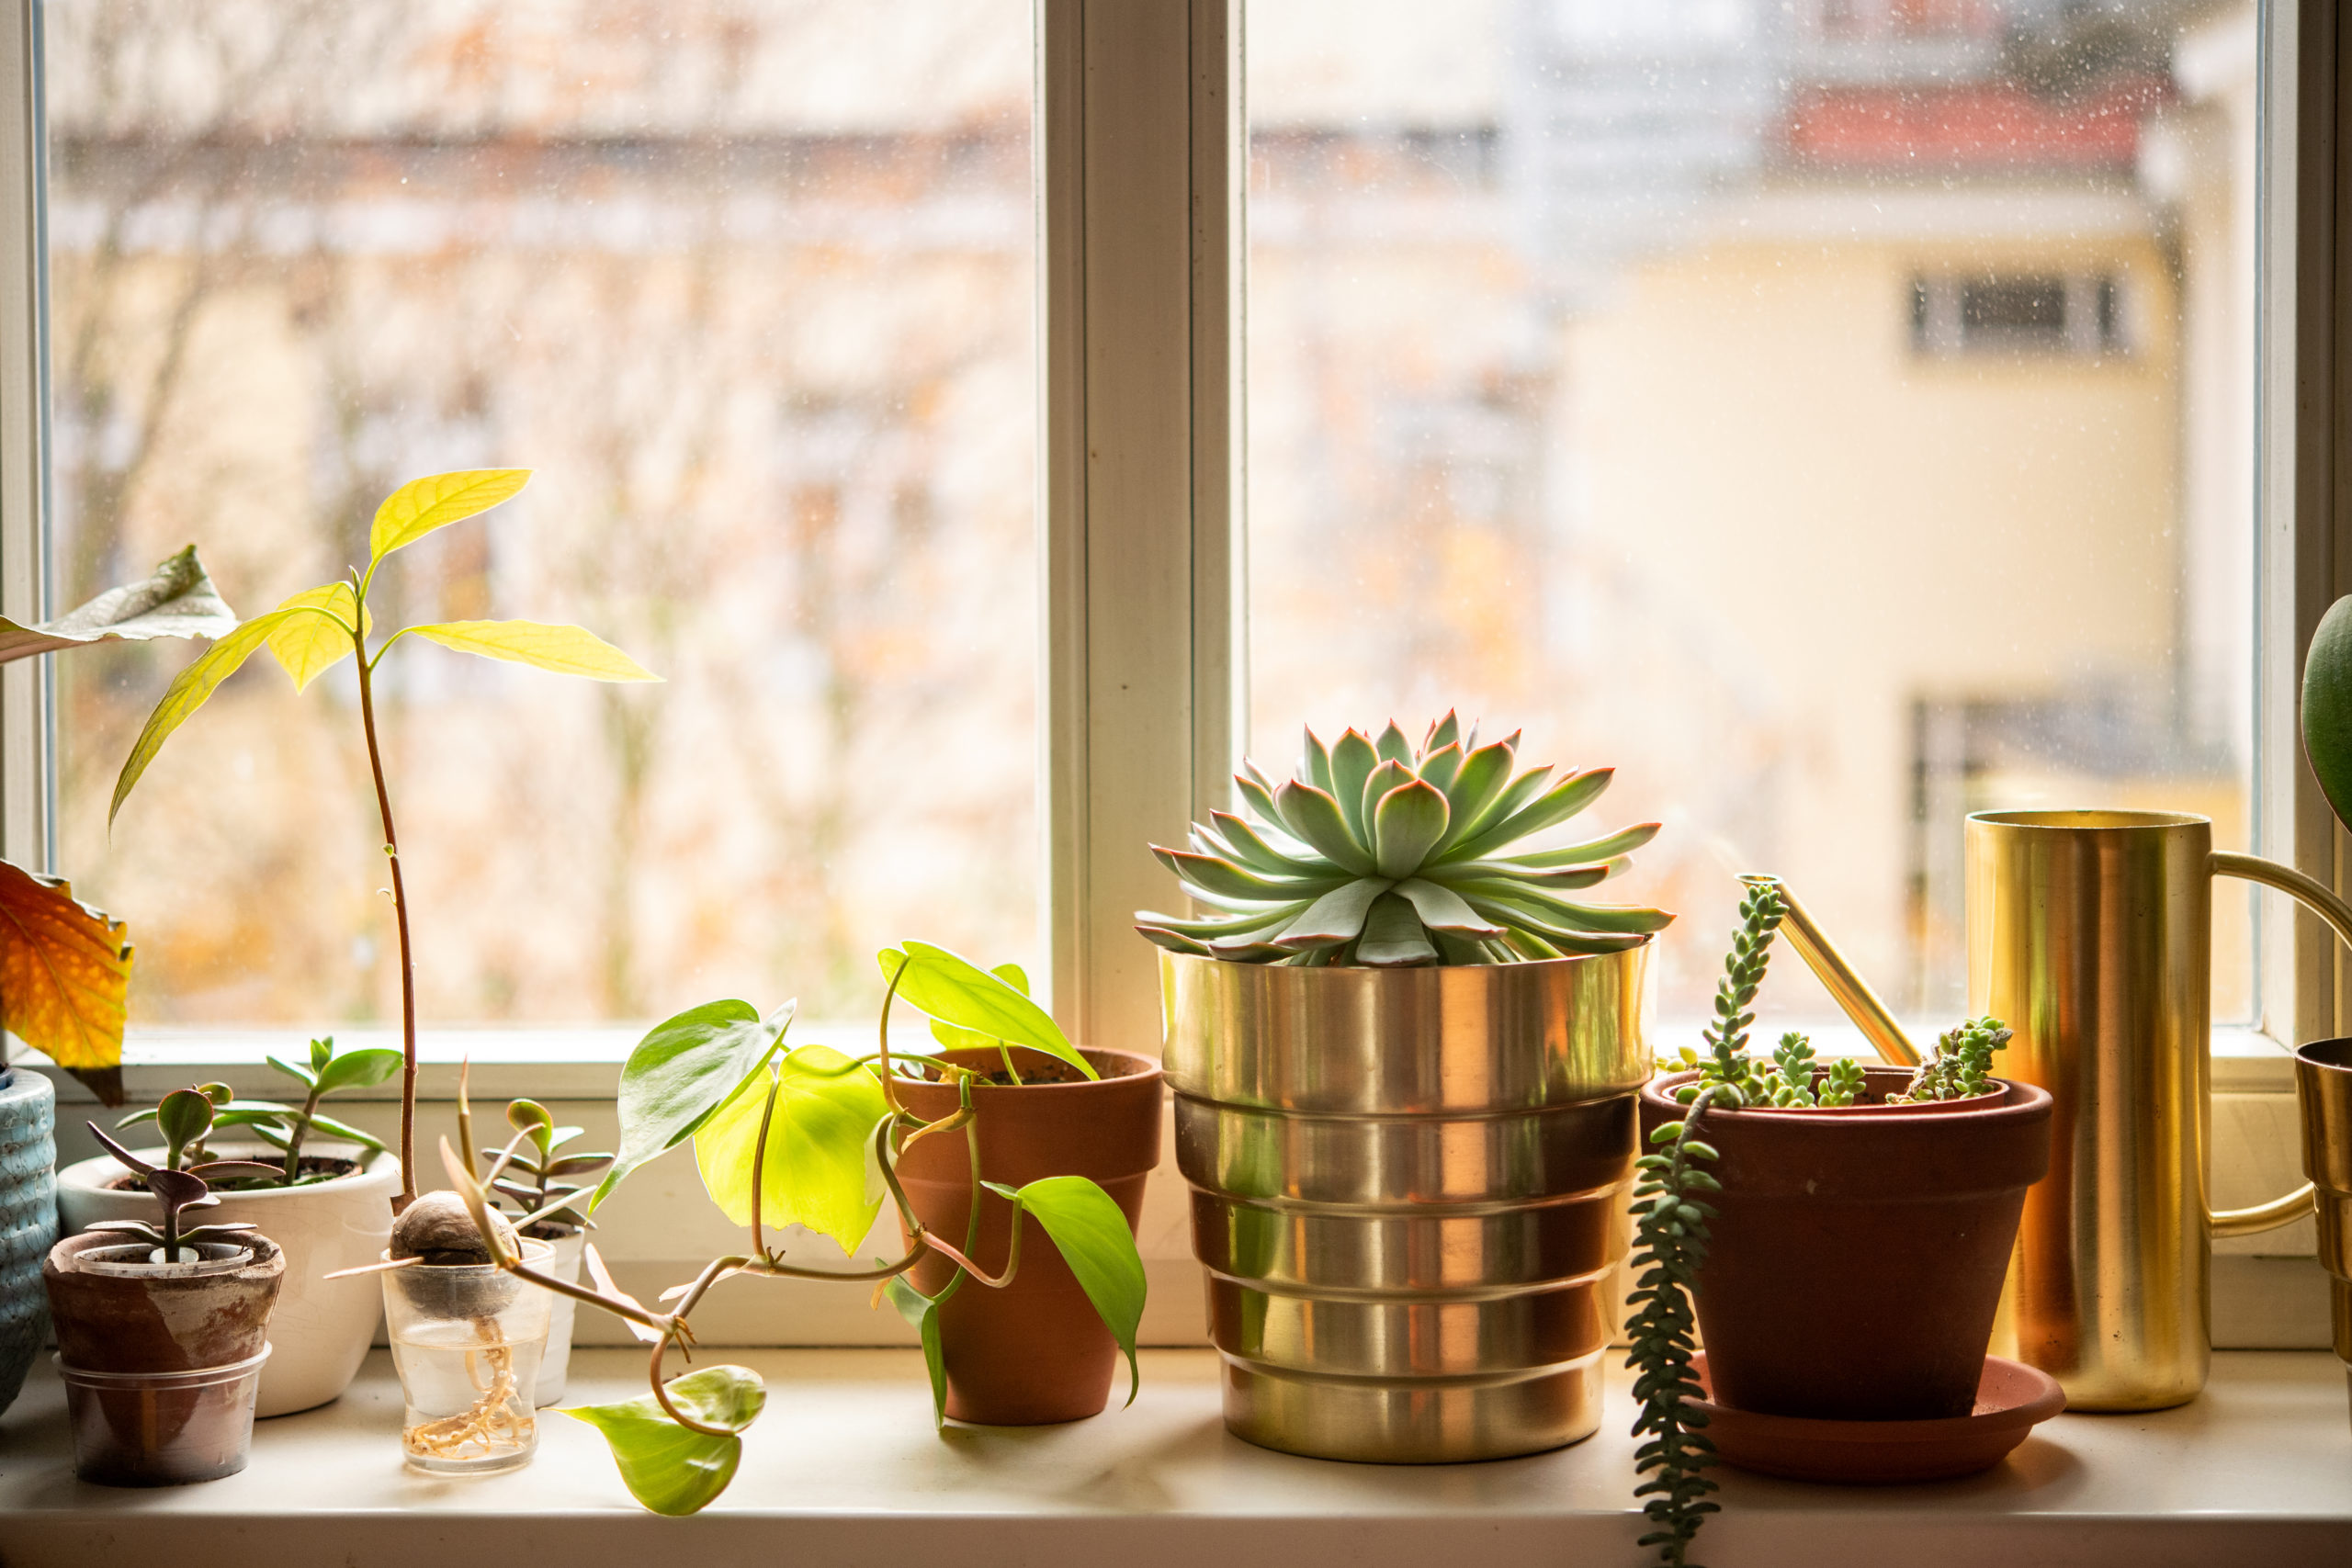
24 786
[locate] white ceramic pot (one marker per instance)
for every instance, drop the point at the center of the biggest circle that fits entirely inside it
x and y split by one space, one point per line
555 1362
321 1328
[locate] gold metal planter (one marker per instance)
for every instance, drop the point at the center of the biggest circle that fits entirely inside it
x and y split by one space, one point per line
1408 1189
2324 1086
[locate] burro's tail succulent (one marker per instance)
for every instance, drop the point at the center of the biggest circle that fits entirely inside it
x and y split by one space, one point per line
1383 853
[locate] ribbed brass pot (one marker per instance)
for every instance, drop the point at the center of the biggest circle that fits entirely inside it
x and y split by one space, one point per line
1408 1189
2323 1088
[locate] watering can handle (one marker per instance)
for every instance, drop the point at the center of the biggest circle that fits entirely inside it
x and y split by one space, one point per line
2322 901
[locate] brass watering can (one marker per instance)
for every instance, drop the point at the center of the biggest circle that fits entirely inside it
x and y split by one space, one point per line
2090 934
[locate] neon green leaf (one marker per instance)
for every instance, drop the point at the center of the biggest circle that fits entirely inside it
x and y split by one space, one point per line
672 1469
958 992
815 1172
310 645
681 1072
436 501
567 650
1090 1229
922 1312
188 693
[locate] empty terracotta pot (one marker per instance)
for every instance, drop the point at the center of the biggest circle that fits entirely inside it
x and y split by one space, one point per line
1856 1261
1035 1351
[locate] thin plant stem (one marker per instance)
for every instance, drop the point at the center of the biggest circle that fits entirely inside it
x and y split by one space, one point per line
400 917
759 1160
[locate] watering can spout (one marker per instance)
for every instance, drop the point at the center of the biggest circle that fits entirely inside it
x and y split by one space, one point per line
1844 983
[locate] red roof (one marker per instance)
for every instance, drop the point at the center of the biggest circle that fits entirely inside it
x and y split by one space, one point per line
1989 127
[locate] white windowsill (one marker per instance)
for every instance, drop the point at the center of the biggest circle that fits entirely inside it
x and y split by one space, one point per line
844 1467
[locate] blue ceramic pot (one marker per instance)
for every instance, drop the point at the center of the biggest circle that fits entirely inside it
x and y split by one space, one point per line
27 1221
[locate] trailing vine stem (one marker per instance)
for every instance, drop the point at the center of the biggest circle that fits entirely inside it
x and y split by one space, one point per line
1670 1243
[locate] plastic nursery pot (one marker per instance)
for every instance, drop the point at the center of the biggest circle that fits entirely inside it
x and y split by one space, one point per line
161 1362
466 1340
28 1220
1856 1258
1035 1351
323 1327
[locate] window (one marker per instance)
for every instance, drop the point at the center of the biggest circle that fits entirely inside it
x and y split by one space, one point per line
2029 314
749 286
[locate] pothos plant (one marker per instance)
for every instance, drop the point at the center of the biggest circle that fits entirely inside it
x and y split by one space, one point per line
811 1136
1670 1217
316 629
65 966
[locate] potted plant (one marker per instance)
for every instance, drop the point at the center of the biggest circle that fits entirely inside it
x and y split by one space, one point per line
320 1187
1791 1204
65 969
533 1172
802 1135
162 1329
314 630
1405 1056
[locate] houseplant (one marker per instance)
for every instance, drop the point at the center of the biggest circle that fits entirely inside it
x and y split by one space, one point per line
65 968
162 1329
535 1173
314 630
1404 1061
809 1135
320 1190
467 1336
1868 1209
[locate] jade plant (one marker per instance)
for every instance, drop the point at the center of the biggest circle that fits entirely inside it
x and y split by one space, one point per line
314 630
287 1127
1383 853
1670 1214
533 1171
808 1135
182 1183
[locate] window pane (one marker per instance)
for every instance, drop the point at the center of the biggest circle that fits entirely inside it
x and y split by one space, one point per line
1838 416
749 286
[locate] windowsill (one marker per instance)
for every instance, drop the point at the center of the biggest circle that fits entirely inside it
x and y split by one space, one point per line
844 1467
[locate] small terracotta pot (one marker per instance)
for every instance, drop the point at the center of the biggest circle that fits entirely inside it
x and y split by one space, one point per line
1033 1352
1856 1259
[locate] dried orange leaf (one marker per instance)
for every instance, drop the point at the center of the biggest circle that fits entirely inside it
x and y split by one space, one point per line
64 971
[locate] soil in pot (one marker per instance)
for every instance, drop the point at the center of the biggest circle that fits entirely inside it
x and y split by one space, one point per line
1033 1352
1856 1259
161 1364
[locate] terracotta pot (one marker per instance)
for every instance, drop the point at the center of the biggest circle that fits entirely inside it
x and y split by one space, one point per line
160 1370
1856 1256
1035 1351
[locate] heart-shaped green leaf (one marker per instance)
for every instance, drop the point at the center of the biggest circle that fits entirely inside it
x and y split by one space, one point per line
681 1072
946 987
1090 1229
672 1469
814 1173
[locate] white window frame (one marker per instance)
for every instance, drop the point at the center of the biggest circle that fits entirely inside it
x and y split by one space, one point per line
1141 153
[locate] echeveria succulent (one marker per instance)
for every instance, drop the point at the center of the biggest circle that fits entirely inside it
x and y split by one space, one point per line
1383 853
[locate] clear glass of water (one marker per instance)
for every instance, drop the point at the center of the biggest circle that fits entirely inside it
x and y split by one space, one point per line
466 1340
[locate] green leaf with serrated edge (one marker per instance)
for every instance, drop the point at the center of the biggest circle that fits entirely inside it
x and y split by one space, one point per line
922 1314
671 1469
564 650
188 693
1090 1229
1482 776
1316 817
941 985
420 506
1406 825
1338 916
1393 747
1392 937
360 1069
1441 908
177 600
814 1170
681 1072
1352 761
1555 806
309 645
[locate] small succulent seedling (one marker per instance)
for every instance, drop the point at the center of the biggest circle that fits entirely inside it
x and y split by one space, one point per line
186 1116
1382 853
535 1156
1670 1218
287 1127
318 628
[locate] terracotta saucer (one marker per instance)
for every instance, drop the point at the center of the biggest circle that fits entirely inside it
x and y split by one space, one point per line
2011 1399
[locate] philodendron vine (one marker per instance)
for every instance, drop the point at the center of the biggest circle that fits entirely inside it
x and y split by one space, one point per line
316 629
810 1136
1670 1217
